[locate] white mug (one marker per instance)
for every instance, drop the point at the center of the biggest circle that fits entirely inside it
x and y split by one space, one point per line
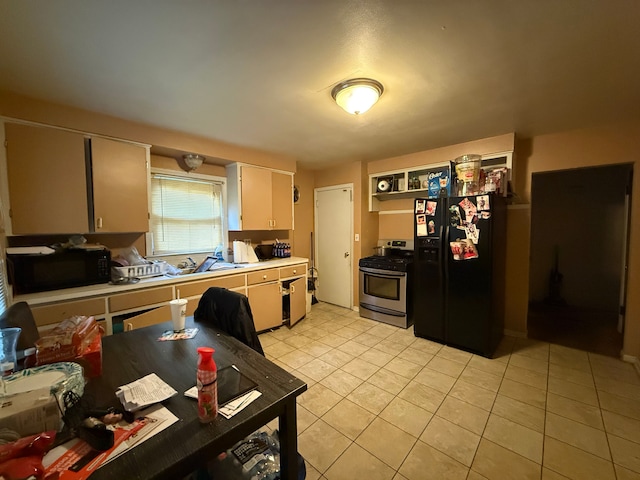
178 313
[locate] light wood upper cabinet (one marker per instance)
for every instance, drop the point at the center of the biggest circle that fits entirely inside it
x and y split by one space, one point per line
61 182
259 198
47 180
119 178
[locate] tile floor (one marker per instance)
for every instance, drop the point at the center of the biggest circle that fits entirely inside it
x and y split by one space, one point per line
383 404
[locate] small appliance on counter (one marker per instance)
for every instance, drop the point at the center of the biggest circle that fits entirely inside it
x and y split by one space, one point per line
63 268
264 251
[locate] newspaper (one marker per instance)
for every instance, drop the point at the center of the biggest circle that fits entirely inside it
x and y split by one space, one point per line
144 392
76 460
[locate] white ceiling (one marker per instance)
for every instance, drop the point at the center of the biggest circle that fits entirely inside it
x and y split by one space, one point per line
259 72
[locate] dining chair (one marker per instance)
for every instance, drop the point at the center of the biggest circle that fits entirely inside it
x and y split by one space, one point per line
230 312
20 315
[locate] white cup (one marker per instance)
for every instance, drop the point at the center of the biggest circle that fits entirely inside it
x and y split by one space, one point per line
178 313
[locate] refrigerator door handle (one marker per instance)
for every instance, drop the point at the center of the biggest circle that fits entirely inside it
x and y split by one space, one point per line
444 251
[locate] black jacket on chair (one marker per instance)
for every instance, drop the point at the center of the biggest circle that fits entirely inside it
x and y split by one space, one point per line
230 312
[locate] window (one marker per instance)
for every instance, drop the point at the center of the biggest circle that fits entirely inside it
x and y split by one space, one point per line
186 214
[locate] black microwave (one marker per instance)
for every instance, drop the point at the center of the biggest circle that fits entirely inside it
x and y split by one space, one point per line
30 273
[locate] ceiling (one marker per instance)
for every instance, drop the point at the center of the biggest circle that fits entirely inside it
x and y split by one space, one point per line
259 73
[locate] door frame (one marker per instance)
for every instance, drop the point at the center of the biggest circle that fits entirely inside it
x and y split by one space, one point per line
348 186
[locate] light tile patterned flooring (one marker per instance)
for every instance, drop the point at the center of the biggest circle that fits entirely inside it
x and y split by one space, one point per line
383 404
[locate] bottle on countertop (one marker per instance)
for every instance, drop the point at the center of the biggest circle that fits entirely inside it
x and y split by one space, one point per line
207 383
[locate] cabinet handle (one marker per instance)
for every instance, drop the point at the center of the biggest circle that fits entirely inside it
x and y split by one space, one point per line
292 287
99 222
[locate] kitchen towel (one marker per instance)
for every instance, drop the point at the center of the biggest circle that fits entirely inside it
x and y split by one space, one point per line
243 253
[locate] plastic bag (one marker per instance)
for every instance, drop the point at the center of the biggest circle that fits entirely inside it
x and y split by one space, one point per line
67 340
23 458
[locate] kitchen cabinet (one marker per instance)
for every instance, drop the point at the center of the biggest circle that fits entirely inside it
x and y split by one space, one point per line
294 300
61 182
192 291
265 298
47 180
149 302
259 198
119 173
49 315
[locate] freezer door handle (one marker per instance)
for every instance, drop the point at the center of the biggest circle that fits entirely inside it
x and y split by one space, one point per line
444 254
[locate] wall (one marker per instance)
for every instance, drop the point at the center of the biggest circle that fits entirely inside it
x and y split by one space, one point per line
303 214
580 213
349 173
612 144
24 108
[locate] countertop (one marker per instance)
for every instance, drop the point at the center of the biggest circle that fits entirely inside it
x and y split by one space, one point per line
106 288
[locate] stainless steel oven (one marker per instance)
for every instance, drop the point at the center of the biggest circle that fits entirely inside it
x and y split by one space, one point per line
385 285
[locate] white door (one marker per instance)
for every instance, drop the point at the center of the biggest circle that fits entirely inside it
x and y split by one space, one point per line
333 233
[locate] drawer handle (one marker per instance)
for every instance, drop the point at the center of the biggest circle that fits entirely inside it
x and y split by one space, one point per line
264 277
295 271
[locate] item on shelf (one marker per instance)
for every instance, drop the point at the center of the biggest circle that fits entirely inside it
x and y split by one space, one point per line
385 184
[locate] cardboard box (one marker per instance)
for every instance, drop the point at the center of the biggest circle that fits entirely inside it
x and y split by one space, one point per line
30 412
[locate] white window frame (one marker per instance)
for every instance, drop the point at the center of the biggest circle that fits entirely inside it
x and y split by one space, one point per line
188 176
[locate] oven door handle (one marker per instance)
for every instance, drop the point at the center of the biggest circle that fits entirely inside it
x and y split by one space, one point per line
382 273
386 311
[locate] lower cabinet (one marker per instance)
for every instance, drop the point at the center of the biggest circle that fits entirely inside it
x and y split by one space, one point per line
47 316
276 296
266 305
294 301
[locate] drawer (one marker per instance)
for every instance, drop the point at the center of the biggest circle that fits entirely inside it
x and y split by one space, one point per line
270 275
57 312
194 302
198 288
126 301
294 271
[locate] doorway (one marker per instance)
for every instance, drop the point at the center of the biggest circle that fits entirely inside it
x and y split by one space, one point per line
333 227
577 279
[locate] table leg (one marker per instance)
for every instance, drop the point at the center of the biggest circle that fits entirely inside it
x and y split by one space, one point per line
289 442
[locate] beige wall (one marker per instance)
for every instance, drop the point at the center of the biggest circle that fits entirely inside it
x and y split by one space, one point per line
303 214
349 173
24 108
586 148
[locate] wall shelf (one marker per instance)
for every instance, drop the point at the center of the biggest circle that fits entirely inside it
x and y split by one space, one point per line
413 182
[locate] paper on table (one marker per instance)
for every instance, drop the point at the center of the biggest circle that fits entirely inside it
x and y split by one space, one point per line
231 408
143 392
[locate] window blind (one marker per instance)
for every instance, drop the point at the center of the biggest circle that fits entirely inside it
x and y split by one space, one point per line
186 215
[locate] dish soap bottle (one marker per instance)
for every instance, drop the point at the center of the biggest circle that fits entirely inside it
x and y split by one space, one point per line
207 385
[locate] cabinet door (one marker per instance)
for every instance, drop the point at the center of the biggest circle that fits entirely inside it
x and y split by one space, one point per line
47 180
282 203
297 300
256 198
119 177
266 305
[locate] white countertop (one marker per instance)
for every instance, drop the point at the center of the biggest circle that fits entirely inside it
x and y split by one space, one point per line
80 293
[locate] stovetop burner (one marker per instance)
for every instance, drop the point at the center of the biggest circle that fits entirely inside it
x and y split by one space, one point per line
396 262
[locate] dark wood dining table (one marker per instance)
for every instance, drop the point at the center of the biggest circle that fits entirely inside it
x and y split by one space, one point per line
188 444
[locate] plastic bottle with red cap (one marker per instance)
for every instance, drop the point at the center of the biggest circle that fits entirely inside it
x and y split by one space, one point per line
207 382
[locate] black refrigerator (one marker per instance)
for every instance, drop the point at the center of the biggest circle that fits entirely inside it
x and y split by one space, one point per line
459 271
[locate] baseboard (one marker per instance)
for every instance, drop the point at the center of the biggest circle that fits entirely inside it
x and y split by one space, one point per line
633 360
514 333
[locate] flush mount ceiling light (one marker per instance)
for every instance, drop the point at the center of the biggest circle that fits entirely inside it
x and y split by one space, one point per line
357 95
192 161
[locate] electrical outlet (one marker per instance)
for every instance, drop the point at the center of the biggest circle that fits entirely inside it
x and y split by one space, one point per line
357 239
